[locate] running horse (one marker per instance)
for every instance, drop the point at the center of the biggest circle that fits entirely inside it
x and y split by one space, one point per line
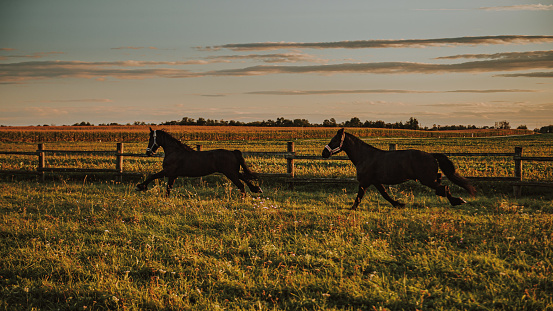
182 160
377 167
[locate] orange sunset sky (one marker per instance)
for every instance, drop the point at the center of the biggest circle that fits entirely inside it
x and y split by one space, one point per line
442 62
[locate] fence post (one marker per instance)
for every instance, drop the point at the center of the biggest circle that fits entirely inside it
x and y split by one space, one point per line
41 160
198 147
517 189
290 160
119 161
392 147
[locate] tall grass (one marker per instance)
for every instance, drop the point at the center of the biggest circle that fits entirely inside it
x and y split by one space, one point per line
96 246
79 244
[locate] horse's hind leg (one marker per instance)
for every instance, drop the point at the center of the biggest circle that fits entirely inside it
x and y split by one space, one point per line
443 191
236 180
383 192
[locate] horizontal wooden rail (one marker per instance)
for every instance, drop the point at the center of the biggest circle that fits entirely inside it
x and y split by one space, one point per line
537 159
290 155
20 152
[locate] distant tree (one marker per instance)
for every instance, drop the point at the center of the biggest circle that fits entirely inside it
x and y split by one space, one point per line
330 123
353 122
546 129
301 123
82 124
504 125
284 122
522 127
412 124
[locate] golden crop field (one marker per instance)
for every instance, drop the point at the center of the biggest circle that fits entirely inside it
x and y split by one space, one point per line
133 133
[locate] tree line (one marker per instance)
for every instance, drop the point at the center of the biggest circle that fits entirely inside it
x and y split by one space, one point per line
411 124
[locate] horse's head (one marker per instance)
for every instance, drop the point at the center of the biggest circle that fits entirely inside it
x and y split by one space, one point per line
335 144
152 143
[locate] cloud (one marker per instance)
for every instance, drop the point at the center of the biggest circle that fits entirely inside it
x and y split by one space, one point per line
134 48
494 91
271 58
335 92
534 60
23 71
529 75
34 55
364 44
85 100
508 55
379 91
522 7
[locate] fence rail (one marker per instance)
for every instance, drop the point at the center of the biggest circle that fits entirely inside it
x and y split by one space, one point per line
290 156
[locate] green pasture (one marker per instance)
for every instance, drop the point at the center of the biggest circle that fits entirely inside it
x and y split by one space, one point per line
78 242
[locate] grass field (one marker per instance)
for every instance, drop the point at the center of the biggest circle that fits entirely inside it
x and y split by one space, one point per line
74 243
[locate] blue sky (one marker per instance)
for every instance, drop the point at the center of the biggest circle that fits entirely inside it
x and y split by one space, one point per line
442 62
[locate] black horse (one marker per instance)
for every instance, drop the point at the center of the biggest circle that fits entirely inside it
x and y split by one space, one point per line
182 160
377 167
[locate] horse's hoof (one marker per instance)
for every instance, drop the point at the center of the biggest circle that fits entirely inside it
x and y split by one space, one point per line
399 204
257 190
457 201
140 187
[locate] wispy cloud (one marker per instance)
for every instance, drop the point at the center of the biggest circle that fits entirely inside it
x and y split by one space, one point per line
529 75
335 92
17 72
82 100
380 91
134 48
34 55
364 44
506 55
522 7
534 60
271 58
23 71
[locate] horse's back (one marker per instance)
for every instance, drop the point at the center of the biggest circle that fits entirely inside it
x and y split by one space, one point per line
201 163
392 167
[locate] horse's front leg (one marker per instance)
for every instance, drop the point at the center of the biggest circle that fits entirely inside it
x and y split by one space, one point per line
170 184
144 185
360 195
383 192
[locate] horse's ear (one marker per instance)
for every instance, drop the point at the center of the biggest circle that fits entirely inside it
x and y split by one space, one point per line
340 131
151 129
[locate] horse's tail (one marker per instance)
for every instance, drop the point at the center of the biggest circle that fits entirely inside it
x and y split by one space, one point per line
449 170
248 174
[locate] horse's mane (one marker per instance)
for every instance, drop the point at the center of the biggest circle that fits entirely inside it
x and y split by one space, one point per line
176 141
359 141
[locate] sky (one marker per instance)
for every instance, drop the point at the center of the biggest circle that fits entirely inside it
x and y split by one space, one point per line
442 62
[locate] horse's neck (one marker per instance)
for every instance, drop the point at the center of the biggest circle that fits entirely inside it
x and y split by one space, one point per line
170 144
356 149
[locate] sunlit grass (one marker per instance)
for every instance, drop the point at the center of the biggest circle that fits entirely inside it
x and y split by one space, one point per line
81 245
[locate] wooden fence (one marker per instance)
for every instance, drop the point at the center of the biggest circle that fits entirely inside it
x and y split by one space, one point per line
290 155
